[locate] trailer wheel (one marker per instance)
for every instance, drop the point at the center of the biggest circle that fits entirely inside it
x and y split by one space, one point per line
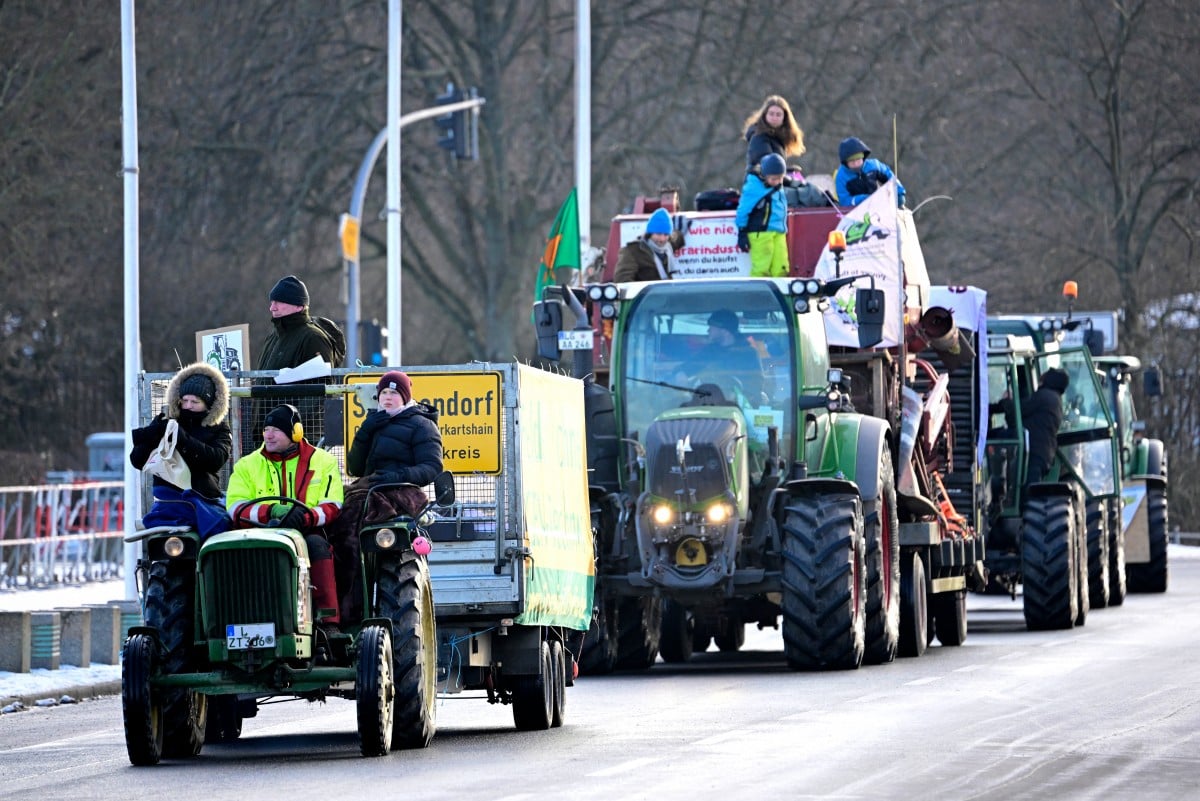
883 569
533 696
224 719
1098 562
731 635
914 606
678 629
406 598
375 692
142 711
170 611
1048 570
639 622
949 611
824 583
1116 554
599 654
559 663
1152 576
701 639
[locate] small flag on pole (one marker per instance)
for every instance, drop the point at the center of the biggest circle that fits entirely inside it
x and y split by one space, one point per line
562 245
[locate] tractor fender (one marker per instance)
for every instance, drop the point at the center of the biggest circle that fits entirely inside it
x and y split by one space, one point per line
1050 488
872 439
1152 457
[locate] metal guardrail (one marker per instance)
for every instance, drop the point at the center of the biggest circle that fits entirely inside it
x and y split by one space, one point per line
1185 537
61 533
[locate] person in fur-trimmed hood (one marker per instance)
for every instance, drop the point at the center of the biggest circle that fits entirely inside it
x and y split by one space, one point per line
198 397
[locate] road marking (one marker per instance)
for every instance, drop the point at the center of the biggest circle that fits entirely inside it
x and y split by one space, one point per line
968 669
720 738
624 767
926 680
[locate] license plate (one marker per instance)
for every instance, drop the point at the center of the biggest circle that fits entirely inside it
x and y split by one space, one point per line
242 638
575 340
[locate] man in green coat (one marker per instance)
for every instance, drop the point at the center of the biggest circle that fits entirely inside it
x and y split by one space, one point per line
296 338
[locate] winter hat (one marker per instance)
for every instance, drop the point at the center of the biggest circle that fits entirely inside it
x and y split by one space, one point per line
1056 379
285 418
398 381
772 164
201 386
724 318
291 290
659 222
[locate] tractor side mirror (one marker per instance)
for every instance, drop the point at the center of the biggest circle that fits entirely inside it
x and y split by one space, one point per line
1152 383
547 322
868 305
443 488
1095 341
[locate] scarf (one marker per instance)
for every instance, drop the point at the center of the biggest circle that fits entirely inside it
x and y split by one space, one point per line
664 259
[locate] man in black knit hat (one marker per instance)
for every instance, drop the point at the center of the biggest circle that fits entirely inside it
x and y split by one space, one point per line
297 337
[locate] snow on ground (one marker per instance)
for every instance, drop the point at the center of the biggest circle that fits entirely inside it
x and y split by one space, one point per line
52 683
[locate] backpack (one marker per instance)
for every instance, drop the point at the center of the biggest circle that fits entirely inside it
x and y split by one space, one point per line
717 199
336 338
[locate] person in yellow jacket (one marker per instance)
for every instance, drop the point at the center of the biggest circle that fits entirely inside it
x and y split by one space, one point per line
287 464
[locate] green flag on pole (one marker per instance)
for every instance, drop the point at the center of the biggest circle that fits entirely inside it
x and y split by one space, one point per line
562 245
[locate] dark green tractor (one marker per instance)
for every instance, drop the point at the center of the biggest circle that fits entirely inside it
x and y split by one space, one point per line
230 620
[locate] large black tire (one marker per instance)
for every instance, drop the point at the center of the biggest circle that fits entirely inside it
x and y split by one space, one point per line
170 609
533 696
639 622
1098 562
599 653
1083 602
1049 573
914 606
559 663
224 719
824 583
1116 554
374 691
883 569
405 597
676 639
949 611
142 711
732 634
1152 576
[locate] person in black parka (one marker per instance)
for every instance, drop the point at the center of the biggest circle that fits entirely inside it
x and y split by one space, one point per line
397 443
1042 415
198 397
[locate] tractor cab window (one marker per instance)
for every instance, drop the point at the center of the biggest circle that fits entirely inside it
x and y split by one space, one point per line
1086 441
692 345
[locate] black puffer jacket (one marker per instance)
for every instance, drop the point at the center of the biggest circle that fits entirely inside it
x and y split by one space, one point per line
204 437
1043 415
404 447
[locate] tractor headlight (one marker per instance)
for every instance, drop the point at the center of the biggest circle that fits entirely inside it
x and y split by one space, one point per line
385 538
800 305
610 292
718 513
173 547
663 514
595 292
608 310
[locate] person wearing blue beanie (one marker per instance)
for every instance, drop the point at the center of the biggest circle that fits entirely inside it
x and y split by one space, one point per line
651 257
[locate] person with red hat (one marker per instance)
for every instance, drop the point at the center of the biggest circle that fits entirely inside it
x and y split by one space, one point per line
398 444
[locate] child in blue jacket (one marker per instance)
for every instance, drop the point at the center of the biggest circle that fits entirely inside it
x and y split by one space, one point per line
762 219
859 175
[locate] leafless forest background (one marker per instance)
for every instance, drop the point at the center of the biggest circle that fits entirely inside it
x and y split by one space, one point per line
1065 134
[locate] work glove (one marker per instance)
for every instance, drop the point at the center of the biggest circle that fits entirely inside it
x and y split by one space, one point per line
374 421
299 517
280 510
681 223
383 477
743 240
151 433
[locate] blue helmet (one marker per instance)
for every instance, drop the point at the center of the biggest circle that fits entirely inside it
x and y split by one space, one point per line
772 164
659 222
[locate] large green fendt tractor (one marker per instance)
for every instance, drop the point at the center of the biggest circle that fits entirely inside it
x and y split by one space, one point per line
1040 535
230 619
724 495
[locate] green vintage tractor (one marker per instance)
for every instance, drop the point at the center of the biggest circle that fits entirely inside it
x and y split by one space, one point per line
230 620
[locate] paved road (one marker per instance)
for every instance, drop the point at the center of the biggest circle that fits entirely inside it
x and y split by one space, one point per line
1107 711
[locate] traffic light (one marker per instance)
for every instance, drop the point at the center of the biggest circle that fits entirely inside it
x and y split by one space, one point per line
459 130
448 124
373 334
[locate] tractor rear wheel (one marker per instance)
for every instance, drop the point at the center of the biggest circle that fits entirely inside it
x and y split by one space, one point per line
639 625
678 631
824 583
142 711
732 634
950 617
406 598
914 606
883 569
1116 553
599 655
1152 576
1048 571
533 696
170 611
1098 561
375 693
